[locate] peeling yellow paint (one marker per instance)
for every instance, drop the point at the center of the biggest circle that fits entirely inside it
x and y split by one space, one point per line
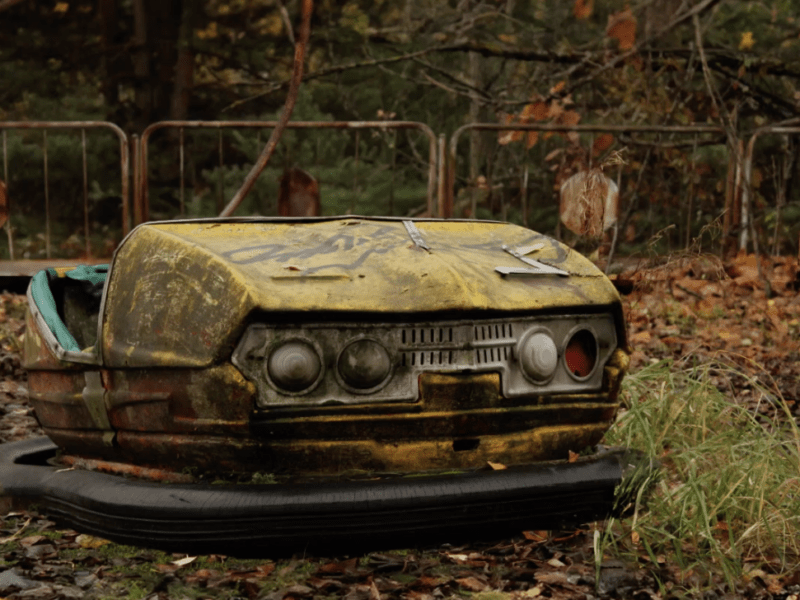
182 289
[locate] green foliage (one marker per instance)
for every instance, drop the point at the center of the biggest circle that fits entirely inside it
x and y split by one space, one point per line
367 60
263 479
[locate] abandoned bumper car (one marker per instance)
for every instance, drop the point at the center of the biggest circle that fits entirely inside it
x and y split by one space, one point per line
391 379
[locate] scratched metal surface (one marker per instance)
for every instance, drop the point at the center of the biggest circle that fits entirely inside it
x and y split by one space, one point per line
180 293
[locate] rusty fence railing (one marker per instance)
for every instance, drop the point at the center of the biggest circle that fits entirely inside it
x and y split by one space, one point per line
446 176
691 137
52 201
747 231
142 156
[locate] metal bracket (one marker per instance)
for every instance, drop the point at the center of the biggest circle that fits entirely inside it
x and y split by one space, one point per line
539 268
94 398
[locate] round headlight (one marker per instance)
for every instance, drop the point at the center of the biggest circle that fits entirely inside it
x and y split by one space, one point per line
580 355
294 366
364 364
538 356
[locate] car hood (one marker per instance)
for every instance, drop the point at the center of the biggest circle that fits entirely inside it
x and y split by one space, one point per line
180 293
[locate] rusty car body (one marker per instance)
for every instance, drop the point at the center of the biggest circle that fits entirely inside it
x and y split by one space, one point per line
347 352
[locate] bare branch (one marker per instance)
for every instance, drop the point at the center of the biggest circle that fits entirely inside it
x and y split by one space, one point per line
333 70
473 91
307 8
719 107
695 10
287 23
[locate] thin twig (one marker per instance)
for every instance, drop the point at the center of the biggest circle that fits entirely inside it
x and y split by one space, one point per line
18 533
336 70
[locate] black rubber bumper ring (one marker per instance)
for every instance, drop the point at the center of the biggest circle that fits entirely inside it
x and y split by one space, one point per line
280 519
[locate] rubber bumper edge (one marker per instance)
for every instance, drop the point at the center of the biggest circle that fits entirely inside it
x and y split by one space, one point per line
283 518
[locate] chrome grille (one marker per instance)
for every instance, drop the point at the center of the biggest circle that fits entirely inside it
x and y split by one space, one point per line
493 331
447 347
421 336
490 356
493 342
432 358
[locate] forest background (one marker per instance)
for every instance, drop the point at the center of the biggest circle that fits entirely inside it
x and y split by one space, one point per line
580 62
714 387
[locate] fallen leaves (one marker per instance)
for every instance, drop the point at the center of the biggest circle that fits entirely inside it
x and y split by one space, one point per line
745 312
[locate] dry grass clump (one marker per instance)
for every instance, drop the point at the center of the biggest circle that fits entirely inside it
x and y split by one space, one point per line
727 504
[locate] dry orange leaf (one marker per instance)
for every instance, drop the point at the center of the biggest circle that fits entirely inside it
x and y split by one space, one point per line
515 136
568 117
533 137
573 456
554 110
473 584
32 540
505 137
536 111
553 154
602 143
535 536
583 8
622 27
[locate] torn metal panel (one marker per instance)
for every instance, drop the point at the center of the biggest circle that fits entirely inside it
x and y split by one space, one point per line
539 267
416 235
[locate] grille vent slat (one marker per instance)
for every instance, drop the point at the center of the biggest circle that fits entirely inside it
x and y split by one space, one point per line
422 346
497 333
426 336
423 358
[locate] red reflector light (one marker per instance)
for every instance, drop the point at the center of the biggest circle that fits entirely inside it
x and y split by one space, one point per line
581 353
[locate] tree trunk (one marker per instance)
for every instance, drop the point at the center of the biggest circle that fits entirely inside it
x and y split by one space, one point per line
184 69
141 64
107 13
162 72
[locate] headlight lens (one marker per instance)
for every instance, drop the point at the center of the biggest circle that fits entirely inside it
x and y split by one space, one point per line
580 355
295 366
364 364
538 356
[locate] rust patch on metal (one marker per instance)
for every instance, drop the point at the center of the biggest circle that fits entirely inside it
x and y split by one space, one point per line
128 470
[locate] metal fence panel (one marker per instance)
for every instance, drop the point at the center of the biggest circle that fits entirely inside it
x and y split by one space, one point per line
58 197
212 162
668 175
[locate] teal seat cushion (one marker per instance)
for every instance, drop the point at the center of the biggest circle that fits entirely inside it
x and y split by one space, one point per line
46 303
